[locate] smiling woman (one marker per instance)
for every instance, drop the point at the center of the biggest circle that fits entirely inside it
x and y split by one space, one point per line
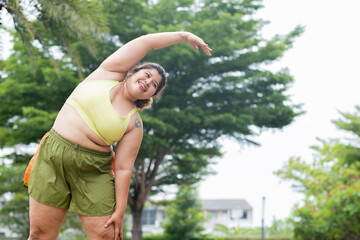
155 79
72 168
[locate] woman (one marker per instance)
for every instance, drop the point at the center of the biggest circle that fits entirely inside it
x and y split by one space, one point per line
72 167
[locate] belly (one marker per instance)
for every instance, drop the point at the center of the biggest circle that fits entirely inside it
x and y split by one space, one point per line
71 126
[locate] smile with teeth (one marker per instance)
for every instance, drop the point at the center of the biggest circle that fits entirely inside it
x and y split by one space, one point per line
142 86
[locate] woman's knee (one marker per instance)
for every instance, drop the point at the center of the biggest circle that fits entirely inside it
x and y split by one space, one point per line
38 233
105 234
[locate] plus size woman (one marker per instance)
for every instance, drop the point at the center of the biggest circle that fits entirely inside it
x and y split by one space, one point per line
72 167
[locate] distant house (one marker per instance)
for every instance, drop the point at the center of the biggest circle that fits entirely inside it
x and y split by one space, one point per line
228 212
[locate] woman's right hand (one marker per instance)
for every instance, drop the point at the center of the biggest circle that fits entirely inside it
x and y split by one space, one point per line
117 220
196 41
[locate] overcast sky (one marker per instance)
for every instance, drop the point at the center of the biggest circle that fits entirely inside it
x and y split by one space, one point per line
324 62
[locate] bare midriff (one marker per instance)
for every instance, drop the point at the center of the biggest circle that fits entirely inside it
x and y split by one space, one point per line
70 125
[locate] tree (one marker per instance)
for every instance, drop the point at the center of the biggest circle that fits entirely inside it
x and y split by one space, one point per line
229 94
65 23
184 215
331 208
29 105
226 95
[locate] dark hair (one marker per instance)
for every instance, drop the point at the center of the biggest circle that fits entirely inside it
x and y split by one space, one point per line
144 103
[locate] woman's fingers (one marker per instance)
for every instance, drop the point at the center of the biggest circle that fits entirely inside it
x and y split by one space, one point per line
195 41
195 46
108 222
117 233
206 49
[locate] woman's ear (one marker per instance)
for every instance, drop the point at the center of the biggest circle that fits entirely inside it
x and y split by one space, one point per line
128 75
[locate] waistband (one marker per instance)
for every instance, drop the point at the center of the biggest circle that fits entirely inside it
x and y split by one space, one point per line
76 146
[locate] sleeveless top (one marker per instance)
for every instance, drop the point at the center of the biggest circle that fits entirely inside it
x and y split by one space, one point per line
91 99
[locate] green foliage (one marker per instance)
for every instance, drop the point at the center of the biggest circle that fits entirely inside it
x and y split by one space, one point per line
184 215
14 209
278 228
30 102
65 23
332 216
237 231
331 208
72 228
29 106
17 221
162 237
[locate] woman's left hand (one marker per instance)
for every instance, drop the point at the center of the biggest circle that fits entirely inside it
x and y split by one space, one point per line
196 41
117 220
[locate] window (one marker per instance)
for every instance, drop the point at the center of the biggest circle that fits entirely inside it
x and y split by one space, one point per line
163 215
244 216
148 217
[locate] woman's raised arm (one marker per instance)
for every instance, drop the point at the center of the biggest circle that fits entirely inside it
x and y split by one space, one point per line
132 52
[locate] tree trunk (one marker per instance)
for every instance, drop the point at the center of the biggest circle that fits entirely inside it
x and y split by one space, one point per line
139 193
136 224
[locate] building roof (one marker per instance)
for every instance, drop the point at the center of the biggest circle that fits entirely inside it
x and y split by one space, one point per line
225 204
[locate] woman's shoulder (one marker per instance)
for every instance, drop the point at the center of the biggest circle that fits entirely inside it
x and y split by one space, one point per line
135 119
100 73
101 81
98 84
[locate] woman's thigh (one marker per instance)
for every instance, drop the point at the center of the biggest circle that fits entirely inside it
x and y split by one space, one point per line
94 227
45 221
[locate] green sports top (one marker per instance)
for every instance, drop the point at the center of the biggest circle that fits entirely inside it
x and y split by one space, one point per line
91 99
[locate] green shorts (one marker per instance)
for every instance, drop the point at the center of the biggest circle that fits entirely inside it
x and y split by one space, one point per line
66 175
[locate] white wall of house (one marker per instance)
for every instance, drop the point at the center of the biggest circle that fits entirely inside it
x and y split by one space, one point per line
229 218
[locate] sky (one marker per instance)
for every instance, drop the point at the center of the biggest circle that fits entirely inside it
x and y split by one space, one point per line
324 62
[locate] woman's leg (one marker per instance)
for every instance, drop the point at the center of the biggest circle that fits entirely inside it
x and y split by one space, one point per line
45 221
94 227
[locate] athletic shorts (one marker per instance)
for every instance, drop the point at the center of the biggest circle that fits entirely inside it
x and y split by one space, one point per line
66 175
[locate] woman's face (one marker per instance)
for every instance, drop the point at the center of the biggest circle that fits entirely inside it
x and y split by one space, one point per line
145 83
